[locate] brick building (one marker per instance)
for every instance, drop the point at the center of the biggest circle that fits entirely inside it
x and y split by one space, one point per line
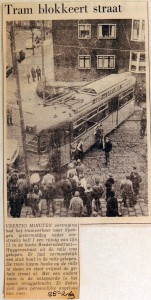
90 49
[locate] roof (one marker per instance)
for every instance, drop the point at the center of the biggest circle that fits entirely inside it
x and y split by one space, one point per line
104 83
65 110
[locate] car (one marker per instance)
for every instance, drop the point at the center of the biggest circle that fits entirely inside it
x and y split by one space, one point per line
20 55
9 70
12 146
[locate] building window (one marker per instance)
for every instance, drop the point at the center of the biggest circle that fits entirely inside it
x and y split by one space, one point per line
84 62
106 31
138 30
84 31
137 62
105 61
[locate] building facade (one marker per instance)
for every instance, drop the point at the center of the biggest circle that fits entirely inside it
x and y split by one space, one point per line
90 49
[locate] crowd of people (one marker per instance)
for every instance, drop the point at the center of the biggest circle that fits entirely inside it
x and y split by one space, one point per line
79 197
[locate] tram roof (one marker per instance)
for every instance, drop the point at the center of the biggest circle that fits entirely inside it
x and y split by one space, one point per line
77 104
100 85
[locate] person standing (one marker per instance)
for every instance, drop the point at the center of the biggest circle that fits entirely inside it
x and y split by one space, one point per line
71 170
28 77
109 185
79 167
143 123
16 202
34 179
136 180
76 205
33 200
38 72
66 188
81 191
47 180
9 113
79 149
127 191
49 195
73 183
89 198
33 74
97 194
107 148
99 136
112 206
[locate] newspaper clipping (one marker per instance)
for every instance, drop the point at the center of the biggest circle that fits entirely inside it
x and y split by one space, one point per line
76 134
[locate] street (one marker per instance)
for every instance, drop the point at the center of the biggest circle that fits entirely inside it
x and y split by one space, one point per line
129 149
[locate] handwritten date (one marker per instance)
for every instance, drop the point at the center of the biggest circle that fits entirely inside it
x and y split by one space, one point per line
69 295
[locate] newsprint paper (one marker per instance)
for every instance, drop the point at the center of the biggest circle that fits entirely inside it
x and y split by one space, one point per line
76 135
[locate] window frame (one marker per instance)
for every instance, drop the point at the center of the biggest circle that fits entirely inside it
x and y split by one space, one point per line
139 39
75 126
103 108
137 63
104 68
94 113
87 37
124 96
84 68
109 37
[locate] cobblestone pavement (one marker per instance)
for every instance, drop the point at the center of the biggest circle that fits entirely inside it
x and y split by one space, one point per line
140 209
129 150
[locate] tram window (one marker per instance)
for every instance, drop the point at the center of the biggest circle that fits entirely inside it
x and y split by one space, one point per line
125 99
92 118
79 130
113 105
93 113
102 113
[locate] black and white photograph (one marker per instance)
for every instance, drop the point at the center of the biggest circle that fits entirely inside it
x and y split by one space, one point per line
76 119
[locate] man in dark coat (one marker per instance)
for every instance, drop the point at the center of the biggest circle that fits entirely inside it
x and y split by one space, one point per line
112 206
33 73
38 72
109 183
16 202
107 149
89 198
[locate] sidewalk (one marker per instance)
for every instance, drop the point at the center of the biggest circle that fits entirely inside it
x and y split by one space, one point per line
28 90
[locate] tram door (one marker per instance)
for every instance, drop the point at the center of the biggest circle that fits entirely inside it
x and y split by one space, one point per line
59 148
64 146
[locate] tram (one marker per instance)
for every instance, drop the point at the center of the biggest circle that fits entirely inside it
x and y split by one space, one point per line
55 130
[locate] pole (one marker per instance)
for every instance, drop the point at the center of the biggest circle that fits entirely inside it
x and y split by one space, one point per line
43 64
32 36
22 125
43 23
12 47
